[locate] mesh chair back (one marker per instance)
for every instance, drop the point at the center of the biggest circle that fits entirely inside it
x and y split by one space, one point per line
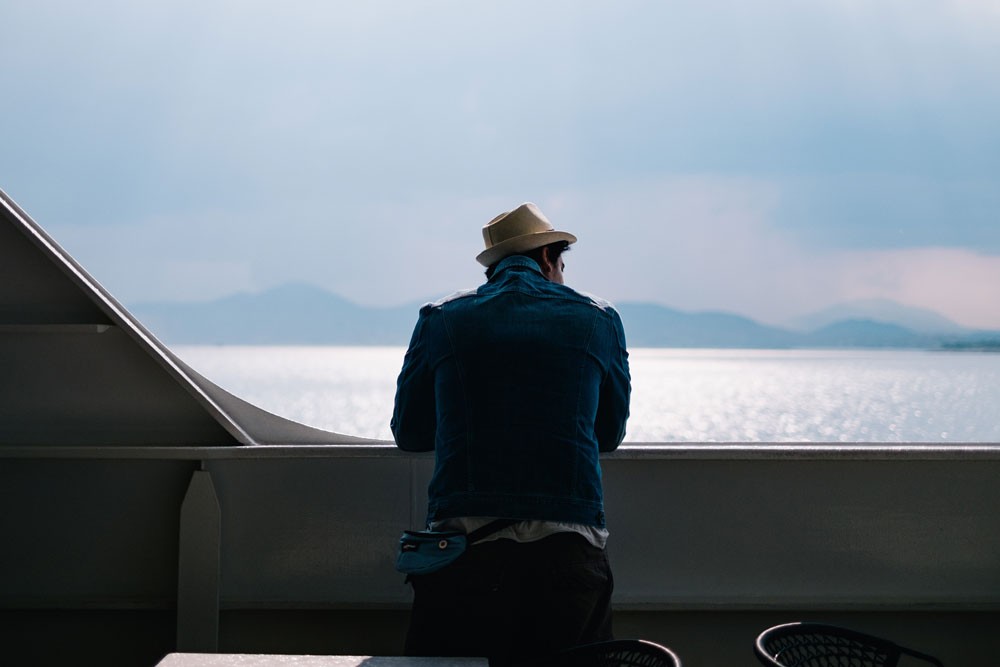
615 653
819 645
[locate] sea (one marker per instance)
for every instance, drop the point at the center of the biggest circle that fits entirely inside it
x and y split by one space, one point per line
678 395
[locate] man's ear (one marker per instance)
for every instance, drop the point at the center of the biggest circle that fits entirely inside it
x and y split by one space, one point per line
550 265
547 261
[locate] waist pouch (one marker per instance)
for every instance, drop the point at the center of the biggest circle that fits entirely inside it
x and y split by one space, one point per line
426 551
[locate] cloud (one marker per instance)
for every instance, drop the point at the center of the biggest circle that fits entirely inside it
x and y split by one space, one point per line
960 284
704 242
765 158
712 243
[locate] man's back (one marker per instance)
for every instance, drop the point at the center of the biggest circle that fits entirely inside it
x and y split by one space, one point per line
529 382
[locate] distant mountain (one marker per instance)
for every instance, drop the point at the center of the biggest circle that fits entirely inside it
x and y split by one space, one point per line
290 314
651 325
866 333
300 314
919 320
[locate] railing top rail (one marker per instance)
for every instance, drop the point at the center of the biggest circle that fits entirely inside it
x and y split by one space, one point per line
628 451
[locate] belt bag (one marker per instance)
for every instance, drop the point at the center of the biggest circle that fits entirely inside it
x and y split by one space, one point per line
426 551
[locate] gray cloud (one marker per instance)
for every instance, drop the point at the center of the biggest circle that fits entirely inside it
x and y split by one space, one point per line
191 148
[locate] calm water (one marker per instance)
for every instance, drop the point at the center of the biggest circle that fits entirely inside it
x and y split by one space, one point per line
677 395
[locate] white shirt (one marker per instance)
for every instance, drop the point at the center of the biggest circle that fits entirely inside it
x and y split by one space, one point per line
524 531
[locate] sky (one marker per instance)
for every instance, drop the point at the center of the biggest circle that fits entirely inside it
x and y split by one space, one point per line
768 158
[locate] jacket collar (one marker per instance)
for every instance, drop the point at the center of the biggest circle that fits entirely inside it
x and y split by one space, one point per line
517 261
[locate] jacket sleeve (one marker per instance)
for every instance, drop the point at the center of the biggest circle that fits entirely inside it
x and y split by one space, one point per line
616 389
414 417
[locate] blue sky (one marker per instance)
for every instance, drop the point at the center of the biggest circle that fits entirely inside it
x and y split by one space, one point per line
769 158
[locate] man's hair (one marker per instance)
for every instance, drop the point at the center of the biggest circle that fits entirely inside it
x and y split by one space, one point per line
556 249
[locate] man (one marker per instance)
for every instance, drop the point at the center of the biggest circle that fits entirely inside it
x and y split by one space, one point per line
516 386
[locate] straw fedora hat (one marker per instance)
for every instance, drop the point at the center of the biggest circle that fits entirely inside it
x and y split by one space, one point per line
525 228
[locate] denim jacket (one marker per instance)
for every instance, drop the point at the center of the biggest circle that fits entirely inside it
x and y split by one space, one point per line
516 386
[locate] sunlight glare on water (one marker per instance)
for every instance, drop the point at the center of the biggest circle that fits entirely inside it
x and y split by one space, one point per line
812 396
678 395
344 389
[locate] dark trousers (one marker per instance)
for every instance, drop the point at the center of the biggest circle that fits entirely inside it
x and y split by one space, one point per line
504 599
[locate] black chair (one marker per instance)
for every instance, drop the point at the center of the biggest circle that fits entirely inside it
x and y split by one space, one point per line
819 645
614 653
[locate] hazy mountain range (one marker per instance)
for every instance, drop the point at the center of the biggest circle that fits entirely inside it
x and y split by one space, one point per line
307 315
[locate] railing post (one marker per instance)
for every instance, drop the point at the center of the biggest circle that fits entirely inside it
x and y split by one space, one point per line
198 567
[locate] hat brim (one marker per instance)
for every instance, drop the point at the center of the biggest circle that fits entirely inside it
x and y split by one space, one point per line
523 243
